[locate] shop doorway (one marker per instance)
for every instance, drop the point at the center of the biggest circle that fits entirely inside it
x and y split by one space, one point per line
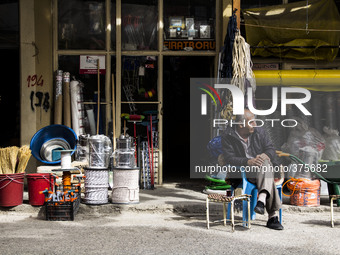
176 112
10 98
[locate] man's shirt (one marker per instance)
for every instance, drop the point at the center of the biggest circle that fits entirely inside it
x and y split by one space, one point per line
246 145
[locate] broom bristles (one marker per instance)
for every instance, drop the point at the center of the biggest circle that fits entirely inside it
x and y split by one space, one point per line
136 117
13 157
24 156
5 161
14 160
1 164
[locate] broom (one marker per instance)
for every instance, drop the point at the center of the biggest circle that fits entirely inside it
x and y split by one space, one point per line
8 159
13 159
24 156
2 161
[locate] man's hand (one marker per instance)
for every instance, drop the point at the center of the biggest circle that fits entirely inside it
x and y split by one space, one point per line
264 156
258 161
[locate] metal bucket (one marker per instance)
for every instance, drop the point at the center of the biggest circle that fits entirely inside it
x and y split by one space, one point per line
82 148
124 143
125 158
47 140
99 151
124 155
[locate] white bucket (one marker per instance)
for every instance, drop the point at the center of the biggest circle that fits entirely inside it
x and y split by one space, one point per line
125 187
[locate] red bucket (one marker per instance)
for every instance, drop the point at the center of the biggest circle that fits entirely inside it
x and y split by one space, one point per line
36 183
11 189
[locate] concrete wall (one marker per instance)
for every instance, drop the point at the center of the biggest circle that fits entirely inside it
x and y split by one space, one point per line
36 69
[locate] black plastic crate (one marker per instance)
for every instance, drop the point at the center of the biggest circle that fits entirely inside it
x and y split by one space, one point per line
65 211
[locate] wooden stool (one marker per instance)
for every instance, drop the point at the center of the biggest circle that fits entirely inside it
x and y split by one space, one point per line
333 197
226 200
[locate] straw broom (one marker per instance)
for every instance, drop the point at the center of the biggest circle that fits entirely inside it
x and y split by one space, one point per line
12 153
5 161
14 160
1 163
24 156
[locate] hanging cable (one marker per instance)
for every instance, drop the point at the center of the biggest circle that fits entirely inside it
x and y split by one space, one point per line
242 64
307 30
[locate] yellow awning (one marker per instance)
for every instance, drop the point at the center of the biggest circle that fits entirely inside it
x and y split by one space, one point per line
317 80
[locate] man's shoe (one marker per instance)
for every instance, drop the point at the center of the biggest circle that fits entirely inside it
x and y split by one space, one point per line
259 208
274 223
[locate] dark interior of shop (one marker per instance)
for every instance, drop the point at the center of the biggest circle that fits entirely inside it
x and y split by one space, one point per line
10 74
176 120
10 97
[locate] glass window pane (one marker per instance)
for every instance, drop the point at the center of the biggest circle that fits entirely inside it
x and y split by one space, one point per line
139 25
139 80
113 24
71 64
247 4
189 25
9 25
81 24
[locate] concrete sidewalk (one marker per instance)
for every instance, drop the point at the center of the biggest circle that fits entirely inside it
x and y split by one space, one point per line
186 198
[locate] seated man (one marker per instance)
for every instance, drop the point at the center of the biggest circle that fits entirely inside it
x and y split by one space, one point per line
248 145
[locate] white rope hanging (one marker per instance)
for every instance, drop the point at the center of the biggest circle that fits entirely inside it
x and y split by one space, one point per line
242 64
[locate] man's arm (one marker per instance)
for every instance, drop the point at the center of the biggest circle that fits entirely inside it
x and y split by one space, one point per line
268 148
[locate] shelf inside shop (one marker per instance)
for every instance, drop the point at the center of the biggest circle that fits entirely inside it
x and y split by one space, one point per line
186 39
110 102
141 102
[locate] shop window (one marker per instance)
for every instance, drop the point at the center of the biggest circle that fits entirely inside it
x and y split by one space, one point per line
89 97
139 25
9 25
81 24
71 64
189 25
113 24
140 98
247 4
139 80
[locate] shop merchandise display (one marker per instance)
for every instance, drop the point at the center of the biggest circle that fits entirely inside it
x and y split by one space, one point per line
332 140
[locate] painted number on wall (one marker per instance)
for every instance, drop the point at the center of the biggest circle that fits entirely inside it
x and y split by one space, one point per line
40 99
34 81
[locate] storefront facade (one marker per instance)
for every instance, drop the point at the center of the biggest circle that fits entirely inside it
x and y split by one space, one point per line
149 47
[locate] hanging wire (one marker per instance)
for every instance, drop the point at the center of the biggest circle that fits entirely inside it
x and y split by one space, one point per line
227 56
307 30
